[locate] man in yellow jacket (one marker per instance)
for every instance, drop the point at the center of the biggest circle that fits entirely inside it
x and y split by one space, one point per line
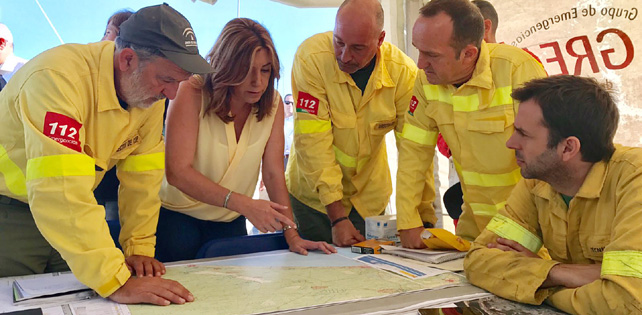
350 88
580 199
463 93
68 116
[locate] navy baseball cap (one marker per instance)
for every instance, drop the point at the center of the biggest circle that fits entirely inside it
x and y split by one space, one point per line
165 29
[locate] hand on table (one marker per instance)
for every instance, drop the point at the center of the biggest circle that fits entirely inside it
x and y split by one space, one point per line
345 234
145 266
151 290
411 238
301 246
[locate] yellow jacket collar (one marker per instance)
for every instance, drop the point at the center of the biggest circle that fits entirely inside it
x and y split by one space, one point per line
106 88
482 75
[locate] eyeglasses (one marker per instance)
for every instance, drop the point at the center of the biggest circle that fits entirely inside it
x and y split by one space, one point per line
288 102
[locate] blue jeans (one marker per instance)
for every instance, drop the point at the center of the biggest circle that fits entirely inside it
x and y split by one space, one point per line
180 236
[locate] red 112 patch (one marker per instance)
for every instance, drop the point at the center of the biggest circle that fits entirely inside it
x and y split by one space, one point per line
63 129
307 104
413 105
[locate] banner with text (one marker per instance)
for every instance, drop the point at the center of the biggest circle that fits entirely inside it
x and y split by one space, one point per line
596 38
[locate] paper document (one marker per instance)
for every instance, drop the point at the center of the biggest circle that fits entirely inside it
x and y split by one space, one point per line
97 306
61 287
405 267
427 255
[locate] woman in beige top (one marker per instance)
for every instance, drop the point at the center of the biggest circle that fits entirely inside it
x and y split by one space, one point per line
220 129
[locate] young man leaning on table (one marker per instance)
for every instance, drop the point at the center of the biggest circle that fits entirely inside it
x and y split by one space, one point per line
580 199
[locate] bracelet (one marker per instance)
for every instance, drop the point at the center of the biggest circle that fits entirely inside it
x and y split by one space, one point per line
227 198
335 222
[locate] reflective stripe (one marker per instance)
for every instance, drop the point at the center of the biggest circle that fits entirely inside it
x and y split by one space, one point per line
416 134
509 229
348 161
311 126
143 163
434 93
502 96
489 180
627 263
467 103
60 165
471 102
13 176
486 209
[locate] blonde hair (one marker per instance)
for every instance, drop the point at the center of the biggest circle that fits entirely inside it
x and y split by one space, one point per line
231 57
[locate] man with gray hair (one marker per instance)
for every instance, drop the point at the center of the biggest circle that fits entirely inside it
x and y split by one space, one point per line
68 116
350 88
9 63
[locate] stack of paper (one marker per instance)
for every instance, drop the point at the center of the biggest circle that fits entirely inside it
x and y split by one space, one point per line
61 287
404 267
425 255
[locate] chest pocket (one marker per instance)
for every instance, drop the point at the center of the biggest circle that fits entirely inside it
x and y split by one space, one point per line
490 120
343 120
127 147
593 246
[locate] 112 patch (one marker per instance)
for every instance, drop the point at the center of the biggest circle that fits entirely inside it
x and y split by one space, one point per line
413 105
307 104
63 129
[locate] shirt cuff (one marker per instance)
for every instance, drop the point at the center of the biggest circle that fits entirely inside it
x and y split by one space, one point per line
116 281
407 221
140 249
330 197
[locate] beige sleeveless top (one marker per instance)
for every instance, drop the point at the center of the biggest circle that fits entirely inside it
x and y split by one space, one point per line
218 156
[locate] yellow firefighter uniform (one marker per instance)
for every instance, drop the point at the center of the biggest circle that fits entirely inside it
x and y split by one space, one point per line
602 224
62 128
475 120
339 151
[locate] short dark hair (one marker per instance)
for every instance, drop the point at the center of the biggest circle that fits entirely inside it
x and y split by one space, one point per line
488 12
286 95
468 23
575 106
119 17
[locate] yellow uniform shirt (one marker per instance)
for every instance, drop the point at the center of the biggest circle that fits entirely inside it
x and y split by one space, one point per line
62 128
602 224
339 152
475 120
233 165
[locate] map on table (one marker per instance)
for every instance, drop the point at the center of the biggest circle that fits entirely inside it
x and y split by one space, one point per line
257 289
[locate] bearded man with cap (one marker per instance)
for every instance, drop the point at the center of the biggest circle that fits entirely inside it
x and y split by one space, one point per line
72 113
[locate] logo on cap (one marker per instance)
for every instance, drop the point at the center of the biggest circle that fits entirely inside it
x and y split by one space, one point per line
190 39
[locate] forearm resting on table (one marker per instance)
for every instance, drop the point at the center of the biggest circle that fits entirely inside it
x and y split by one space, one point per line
572 275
